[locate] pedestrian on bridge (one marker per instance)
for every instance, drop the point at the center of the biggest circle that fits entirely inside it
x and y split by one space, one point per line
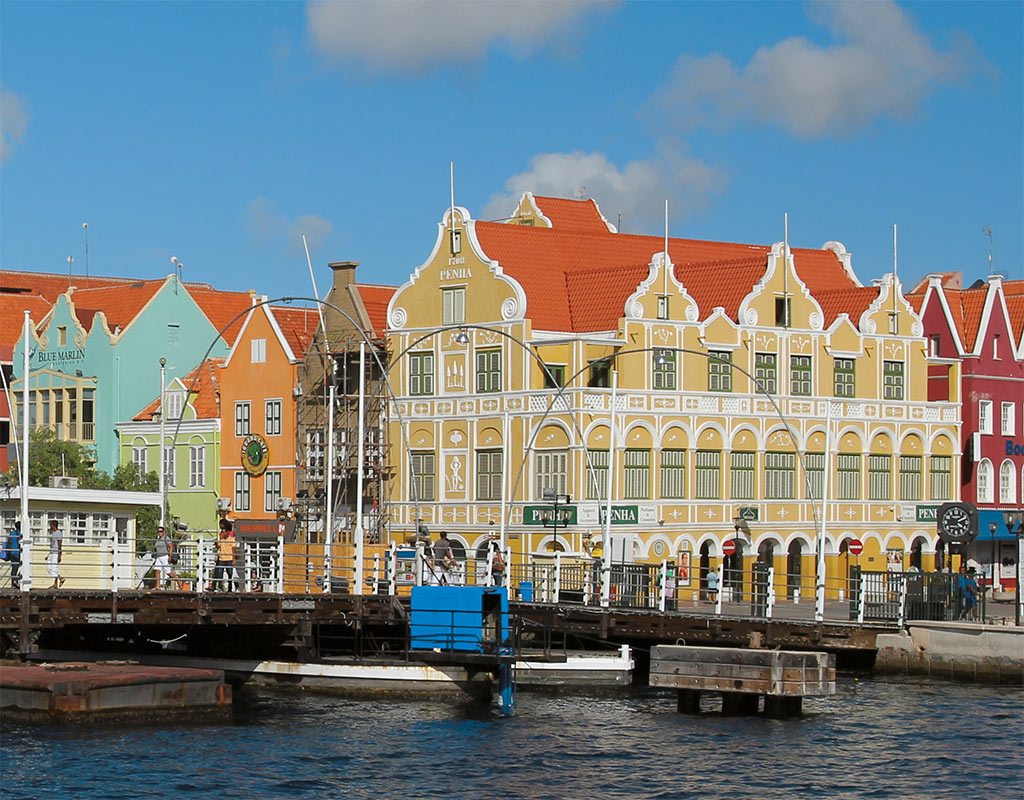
56 554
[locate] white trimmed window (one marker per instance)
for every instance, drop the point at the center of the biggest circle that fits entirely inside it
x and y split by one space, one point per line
551 471
421 373
271 490
273 417
139 460
197 466
259 351
453 306
709 474
984 481
741 469
169 470
910 477
637 464
848 476
779 476
673 474
597 474
941 477
422 464
243 491
766 372
879 477
985 416
892 380
243 414
815 474
1008 425
488 474
175 401
1007 482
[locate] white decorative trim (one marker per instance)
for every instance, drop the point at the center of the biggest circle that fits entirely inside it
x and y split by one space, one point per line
634 309
398 317
511 308
816 320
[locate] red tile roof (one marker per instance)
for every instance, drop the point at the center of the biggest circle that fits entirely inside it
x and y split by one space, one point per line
12 315
222 307
846 301
578 277
52 285
375 300
204 383
298 325
120 303
582 216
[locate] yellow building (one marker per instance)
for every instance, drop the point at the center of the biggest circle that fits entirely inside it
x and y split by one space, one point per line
505 345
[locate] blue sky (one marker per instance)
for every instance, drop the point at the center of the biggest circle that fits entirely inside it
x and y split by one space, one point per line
217 132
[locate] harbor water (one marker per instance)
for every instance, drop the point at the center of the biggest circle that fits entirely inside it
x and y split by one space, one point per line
876 738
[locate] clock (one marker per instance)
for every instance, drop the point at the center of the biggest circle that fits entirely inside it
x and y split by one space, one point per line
958 522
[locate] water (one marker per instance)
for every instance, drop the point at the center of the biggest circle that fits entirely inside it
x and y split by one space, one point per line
875 738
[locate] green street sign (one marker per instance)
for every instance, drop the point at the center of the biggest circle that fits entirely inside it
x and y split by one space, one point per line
748 513
538 515
927 513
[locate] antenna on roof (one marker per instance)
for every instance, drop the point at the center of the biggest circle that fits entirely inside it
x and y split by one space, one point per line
177 272
987 230
455 239
664 262
70 260
895 267
785 268
316 293
85 227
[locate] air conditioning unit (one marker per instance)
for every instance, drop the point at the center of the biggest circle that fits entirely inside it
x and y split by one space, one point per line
63 482
284 503
223 504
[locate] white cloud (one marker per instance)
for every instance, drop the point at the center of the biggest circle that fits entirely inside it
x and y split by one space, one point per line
267 226
637 191
883 65
411 35
14 119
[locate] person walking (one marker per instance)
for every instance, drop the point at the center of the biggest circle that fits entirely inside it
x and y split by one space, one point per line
12 548
712 584
443 558
55 555
224 569
163 548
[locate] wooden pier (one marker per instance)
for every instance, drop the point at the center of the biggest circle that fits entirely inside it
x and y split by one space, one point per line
122 691
743 676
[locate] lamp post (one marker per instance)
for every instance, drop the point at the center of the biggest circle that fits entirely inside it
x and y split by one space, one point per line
1016 518
160 448
992 566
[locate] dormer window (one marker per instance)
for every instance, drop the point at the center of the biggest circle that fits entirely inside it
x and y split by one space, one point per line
782 312
894 323
62 336
662 306
933 345
995 347
456 238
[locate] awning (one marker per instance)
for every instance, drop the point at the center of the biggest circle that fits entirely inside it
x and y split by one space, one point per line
985 520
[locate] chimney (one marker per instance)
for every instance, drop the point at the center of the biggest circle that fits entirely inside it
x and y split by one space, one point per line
344 275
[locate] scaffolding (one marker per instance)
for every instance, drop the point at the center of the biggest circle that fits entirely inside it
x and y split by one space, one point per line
334 359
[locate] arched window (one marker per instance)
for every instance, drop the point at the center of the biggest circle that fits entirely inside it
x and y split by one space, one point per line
984 482
1007 482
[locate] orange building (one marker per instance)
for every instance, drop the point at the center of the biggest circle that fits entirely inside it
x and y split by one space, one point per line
258 411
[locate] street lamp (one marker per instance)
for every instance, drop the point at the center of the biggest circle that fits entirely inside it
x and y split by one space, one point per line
992 566
1016 518
160 448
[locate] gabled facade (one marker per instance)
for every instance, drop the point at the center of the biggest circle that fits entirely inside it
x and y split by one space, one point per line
743 373
980 328
192 439
96 354
258 411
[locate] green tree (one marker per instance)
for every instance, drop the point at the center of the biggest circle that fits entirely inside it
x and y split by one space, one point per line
50 456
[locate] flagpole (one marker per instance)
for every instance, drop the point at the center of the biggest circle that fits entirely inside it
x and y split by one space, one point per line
26 527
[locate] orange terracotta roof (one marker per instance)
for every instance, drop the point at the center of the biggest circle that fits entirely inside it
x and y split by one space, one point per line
1015 306
545 261
204 386
579 215
846 301
1013 288
12 315
375 300
298 325
52 285
120 303
222 307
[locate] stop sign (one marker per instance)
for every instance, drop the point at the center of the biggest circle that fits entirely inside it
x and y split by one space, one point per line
729 547
856 546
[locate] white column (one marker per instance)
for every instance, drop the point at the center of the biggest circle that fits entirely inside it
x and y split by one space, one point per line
359 533
606 538
160 447
26 525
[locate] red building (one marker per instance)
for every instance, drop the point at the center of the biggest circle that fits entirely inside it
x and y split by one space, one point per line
980 330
